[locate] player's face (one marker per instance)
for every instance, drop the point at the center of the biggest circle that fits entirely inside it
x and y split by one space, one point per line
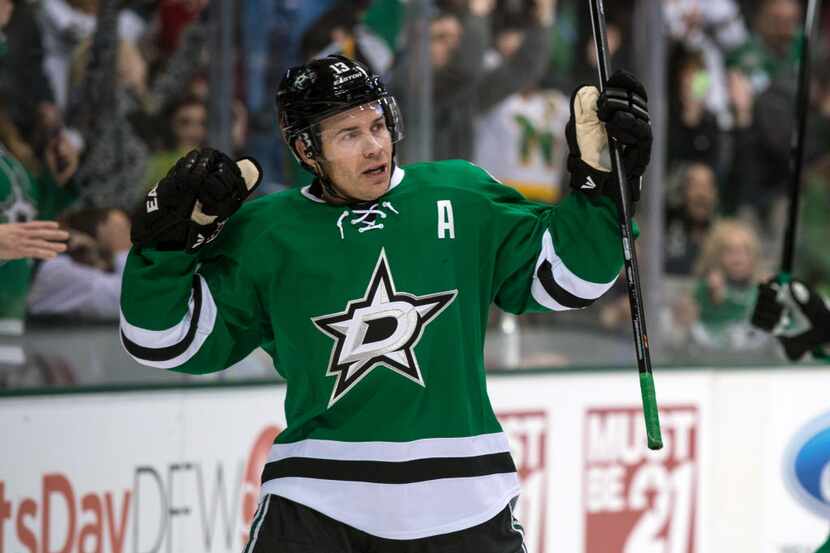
357 151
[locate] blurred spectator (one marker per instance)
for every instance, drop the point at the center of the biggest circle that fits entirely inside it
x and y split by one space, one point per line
728 271
185 68
521 139
711 28
131 68
565 52
86 280
618 32
768 163
386 18
27 194
174 17
271 27
463 86
693 129
28 191
457 43
765 170
23 83
689 217
65 24
812 259
812 256
340 31
110 90
188 130
741 170
772 50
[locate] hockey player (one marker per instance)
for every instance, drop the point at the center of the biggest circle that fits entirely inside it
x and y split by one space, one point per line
797 315
370 288
800 318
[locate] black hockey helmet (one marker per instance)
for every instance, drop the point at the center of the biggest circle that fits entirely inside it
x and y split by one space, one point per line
323 87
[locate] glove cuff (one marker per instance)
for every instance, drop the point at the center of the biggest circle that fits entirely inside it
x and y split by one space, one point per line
595 183
588 180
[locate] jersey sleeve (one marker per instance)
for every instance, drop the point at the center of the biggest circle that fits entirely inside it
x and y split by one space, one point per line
187 313
558 257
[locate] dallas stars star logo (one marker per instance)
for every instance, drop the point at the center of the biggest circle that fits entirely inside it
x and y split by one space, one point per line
379 329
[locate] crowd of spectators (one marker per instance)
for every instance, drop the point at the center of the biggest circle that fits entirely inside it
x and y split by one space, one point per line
98 98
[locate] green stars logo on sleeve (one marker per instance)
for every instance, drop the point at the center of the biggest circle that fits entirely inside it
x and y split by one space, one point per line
381 328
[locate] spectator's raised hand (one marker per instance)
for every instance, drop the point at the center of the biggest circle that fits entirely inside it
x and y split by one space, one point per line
740 95
62 158
716 282
37 239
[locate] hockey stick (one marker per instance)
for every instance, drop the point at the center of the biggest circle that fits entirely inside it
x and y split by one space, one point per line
632 272
802 101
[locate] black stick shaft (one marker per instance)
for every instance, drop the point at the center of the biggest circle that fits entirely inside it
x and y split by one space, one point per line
802 104
632 272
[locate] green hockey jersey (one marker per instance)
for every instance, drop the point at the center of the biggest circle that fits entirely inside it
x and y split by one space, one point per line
376 318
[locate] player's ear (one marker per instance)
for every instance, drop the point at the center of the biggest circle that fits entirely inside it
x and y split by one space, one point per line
305 157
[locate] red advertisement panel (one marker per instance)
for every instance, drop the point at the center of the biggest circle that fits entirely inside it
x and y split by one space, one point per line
637 500
528 435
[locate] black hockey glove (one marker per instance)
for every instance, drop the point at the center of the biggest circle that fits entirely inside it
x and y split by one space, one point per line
623 108
188 208
768 310
795 313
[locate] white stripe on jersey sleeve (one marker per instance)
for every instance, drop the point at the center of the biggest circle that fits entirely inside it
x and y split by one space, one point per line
156 339
563 276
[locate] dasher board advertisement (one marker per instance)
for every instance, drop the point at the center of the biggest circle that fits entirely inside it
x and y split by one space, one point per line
745 464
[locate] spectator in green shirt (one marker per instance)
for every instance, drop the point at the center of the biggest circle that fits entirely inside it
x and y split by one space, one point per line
728 271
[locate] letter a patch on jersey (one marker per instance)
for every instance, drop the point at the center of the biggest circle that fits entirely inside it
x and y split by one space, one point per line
380 329
446 225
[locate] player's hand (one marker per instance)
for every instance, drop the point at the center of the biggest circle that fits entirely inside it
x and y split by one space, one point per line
795 313
36 239
620 112
188 208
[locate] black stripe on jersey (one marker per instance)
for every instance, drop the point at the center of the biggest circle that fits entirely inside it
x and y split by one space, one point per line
169 352
562 296
389 472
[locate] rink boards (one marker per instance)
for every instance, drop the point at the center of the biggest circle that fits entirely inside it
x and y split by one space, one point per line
745 467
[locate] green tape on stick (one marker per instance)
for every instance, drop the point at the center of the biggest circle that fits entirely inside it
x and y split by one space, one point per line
784 278
655 439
